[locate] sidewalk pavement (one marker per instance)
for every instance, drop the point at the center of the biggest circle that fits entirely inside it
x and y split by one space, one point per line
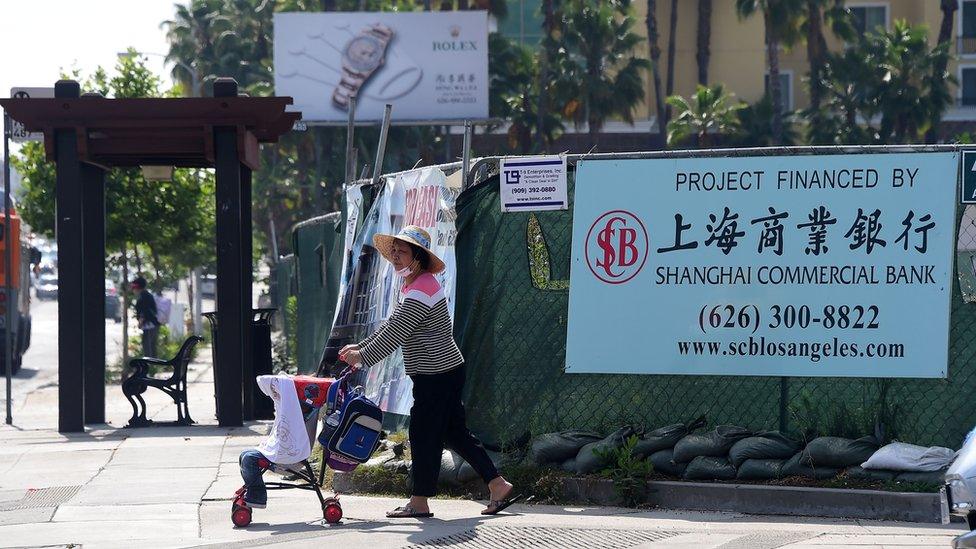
172 487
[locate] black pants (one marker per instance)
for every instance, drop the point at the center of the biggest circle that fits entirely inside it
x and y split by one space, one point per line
150 339
436 421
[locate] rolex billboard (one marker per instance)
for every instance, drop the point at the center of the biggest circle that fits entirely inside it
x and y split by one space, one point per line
429 65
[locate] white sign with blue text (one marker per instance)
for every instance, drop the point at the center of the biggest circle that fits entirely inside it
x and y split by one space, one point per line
774 266
535 183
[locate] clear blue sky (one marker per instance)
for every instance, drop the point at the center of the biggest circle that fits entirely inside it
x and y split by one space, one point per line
40 38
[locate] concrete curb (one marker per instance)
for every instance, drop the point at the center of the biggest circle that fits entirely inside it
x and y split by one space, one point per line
751 499
771 500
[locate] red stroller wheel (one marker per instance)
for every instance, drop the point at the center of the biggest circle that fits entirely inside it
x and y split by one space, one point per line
333 513
241 516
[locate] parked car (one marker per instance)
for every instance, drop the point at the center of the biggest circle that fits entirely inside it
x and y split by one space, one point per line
47 286
113 306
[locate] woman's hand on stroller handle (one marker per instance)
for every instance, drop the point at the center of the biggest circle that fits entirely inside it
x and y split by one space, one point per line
351 357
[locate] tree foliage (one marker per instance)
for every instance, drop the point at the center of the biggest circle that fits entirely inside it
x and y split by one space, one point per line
170 222
597 74
710 110
883 89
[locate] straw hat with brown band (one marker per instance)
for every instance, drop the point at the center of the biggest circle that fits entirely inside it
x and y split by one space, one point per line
411 234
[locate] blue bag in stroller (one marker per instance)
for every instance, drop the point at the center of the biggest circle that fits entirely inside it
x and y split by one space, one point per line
352 427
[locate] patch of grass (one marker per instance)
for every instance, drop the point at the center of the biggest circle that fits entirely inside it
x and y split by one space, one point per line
545 484
380 480
628 472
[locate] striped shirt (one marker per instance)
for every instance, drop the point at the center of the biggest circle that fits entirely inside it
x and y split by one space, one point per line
421 324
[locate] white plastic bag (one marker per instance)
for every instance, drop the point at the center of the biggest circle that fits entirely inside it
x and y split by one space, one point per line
899 456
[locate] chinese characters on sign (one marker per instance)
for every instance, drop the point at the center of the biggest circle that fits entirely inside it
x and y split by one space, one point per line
775 266
863 233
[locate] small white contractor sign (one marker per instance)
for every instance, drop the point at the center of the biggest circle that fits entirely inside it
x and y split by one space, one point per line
19 134
533 184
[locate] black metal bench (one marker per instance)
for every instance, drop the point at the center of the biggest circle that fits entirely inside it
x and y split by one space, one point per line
174 386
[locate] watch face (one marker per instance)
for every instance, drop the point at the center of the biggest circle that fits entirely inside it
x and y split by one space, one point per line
363 53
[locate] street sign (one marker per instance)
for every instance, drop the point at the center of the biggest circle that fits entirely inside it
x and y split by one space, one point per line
18 134
968 177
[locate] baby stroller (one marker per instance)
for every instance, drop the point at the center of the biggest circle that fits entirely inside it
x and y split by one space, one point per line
351 420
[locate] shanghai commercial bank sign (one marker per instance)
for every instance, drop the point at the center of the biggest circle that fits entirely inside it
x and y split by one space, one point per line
773 266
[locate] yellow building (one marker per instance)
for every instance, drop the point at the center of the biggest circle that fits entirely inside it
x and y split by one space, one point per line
738 56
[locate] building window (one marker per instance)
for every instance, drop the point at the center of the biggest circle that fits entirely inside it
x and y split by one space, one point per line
967 27
867 18
968 85
523 22
785 89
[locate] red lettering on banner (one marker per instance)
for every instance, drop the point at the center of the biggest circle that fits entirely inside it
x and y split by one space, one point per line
421 206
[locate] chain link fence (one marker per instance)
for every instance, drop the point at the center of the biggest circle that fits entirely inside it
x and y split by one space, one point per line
511 318
511 323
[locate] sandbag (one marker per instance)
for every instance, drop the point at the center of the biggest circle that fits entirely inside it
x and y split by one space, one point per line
716 443
837 452
709 468
760 469
926 477
662 462
450 465
768 445
569 465
795 468
399 466
590 459
899 456
660 439
466 472
860 473
554 448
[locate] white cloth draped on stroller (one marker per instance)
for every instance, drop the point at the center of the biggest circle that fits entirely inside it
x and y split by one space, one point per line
288 442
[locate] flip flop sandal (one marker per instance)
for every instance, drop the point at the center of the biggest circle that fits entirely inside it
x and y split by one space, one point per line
497 506
407 512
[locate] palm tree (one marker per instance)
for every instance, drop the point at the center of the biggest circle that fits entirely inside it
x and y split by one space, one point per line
909 97
753 128
887 74
549 45
514 92
655 49
948 8
599 76
709 110
780 18
672 37
704 39
193 34
817 15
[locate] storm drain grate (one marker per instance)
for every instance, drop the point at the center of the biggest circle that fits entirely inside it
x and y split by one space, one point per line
509 537
42 497
767 540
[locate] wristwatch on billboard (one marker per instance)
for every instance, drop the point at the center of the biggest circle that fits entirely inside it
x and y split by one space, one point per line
360 58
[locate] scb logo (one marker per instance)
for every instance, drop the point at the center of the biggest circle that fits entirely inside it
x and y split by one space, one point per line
616 247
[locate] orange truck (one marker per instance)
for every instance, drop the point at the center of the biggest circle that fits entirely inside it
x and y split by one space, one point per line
22 255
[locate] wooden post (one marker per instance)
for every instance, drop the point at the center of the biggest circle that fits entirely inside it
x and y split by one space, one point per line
247 360
71 318
93 228
231 322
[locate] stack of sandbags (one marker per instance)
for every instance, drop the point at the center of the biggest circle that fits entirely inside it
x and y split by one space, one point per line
903 462
761 457
706 454
559 448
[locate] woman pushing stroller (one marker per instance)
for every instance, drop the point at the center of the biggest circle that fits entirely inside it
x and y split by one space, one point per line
421 325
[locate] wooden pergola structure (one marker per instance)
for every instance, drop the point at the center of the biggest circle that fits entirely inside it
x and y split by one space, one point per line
85 136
